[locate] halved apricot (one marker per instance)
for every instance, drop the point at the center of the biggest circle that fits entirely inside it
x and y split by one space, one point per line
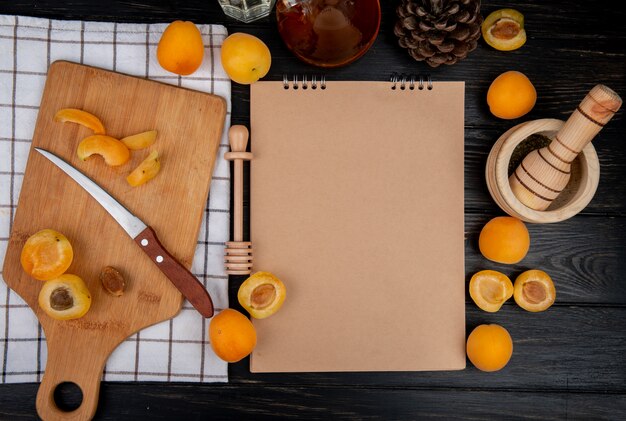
504 239
112 150
46 255
64 298
146 171
140 140
262 294
534 290
490 289
504 29
74 115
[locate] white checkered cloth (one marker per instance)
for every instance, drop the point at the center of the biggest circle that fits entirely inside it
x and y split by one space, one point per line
177 349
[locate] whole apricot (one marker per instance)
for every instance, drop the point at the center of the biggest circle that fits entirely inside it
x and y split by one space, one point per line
534 290
46 255
245 58
232 335
489 347
504 239
511 95
180 49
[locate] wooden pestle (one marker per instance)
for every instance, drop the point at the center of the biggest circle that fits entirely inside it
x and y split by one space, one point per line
238 253
545 172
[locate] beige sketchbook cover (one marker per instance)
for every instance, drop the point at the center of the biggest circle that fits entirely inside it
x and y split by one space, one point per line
357 206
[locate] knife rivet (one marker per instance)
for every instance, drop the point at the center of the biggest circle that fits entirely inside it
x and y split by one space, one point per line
144 242
159 259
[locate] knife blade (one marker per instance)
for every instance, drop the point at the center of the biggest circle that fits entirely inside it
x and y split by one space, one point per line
143 235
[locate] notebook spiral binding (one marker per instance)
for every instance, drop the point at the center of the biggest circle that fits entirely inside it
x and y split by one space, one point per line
411 81
398 80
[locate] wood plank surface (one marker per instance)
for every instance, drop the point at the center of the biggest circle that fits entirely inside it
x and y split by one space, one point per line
567 363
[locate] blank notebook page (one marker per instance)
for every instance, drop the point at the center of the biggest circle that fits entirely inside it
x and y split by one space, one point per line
357 206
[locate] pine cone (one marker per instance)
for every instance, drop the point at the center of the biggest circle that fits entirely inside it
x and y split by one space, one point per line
438 31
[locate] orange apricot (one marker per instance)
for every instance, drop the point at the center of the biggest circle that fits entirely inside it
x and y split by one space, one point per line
146 171
232 335
511 95
504 239
81 117
112 150
489 347
64 298
262 294
490 289
534 291
140 140
504 30
46 255
180 49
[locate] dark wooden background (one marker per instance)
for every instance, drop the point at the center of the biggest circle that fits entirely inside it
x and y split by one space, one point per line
568 362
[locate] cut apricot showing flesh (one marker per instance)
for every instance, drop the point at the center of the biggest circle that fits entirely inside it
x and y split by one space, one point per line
64 298
46 255
146 171
504 29
112 150
534 290
140 140
74 115
490 289
262 294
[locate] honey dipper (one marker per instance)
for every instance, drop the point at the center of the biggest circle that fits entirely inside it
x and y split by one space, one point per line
544 172
238 253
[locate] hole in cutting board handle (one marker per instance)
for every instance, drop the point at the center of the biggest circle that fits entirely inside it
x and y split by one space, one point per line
68 396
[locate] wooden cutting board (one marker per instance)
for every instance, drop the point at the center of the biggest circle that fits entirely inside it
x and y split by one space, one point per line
189 126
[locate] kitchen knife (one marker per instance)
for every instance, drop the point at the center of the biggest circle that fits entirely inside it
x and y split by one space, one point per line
144 236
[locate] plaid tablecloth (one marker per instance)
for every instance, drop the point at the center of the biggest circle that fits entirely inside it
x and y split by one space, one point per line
177 349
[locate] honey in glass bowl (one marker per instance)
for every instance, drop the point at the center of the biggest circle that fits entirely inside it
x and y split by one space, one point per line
328 33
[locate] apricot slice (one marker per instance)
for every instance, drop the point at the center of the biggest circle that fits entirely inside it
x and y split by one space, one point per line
146 171
262 294
46 254
112 150
504 239
504 29
490 289
64 298
74 115
534 290
140 140
489 347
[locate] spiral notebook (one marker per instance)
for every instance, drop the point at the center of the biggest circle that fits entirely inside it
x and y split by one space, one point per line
357 206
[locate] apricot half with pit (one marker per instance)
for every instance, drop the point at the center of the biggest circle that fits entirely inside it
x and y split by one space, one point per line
46 254
262 294
490 289
64 298
534 290
112 150
504 29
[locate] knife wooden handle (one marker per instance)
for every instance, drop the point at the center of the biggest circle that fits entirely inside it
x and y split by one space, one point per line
182 279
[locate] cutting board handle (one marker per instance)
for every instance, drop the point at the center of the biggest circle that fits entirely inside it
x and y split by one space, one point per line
84 370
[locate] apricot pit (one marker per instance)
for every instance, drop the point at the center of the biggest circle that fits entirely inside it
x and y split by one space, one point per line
534 290
262 294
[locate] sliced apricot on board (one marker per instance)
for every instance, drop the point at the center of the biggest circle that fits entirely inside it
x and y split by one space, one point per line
534 290
147 170
140 140
262 294
46 255
504 29
74 115
112 150
64 298
490 289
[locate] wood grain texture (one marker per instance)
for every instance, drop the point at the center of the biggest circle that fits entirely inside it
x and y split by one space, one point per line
78 349
569 44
